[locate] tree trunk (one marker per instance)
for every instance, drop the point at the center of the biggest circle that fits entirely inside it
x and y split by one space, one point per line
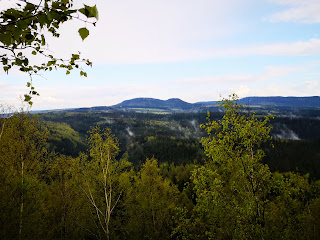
21 199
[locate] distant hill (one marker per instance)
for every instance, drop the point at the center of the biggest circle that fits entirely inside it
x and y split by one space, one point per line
177 105
170 104
311 102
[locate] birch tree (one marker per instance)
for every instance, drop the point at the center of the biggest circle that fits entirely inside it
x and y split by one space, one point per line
105 178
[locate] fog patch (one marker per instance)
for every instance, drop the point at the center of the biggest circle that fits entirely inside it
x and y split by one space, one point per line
106 121
196 127
131 134
286 133
194 123
177 128
185 132
288 115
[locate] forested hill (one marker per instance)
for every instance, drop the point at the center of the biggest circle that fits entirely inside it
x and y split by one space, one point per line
178 104
172 103
264 105
313 102
310 102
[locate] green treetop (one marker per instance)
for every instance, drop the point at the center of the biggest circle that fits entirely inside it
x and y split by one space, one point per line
231 187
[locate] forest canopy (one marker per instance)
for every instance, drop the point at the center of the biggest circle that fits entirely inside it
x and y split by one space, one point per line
99 194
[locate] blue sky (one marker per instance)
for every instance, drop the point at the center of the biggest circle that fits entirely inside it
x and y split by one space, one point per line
196 50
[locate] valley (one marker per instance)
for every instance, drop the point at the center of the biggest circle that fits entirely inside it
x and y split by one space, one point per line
144 130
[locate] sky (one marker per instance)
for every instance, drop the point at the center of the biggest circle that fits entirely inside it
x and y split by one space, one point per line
195 50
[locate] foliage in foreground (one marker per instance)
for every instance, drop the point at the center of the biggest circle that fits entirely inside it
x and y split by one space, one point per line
24 30
96 195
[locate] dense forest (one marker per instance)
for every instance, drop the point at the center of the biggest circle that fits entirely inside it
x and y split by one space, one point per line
116 175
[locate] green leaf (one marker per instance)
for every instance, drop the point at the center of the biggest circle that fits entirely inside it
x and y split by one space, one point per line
30 7
55 15
27 98
42 20
82 73
22 24
84 33
49 16
4 61
29 36
90 11
26 61
6 69
43 40
6 39
16 33
75 56
84 11
94 12
34 53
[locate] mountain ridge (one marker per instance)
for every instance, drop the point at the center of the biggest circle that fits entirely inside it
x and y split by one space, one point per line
313 102
178 105
171 103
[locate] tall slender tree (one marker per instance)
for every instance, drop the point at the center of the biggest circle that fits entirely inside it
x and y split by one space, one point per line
105 178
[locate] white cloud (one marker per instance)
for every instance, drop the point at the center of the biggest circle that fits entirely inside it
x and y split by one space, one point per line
270 73
82 96
279 89
274 81
310 86
304 11
298 48
242 91
271 89
301 48
173 53
152 31
12 94
146 31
